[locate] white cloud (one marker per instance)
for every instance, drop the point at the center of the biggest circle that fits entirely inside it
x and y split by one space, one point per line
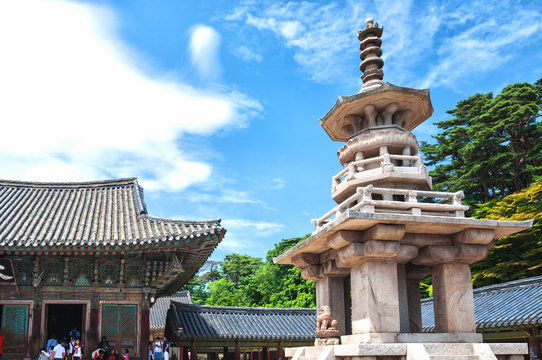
278 184
437 43
204 45
247 54
76 104
242 234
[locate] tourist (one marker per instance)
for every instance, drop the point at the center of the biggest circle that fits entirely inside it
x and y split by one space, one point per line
59 351
158 346
104 344
166 348
44 355
98 354
51 353
126 354
75 334
151 355
1 344
51 342
70 349
77 350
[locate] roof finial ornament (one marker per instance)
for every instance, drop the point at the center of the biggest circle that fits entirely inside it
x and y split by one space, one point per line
371 62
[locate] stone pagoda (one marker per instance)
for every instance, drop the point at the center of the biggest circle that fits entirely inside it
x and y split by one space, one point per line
388 231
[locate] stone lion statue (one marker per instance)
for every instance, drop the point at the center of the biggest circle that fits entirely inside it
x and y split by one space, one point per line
325 319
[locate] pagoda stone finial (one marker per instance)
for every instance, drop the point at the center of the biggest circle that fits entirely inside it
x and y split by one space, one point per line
371 62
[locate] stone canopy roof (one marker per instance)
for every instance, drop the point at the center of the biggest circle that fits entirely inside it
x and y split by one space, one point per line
510 304
189 321
89 217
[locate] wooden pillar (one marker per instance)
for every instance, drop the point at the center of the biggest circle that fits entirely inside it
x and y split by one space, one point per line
237 351
265 354
193 351
225 353
144 331
93 330
35 339
181 354
534 347
280 351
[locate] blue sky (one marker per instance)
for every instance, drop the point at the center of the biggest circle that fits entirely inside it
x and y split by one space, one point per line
214 104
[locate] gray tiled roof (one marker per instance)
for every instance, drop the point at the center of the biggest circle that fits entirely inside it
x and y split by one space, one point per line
241 323
508 304
86 214
158 311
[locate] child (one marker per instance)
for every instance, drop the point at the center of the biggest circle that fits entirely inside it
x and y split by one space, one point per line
127 354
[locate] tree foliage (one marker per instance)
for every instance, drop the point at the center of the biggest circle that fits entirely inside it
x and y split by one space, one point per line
242 280
491 147
519 255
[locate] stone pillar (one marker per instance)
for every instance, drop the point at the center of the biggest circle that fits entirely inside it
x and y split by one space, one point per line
375 299
403 298
414 305
453 299
330 292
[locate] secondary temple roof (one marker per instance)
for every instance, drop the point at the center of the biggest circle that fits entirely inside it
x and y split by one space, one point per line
510 304
240 323
87 216
158 311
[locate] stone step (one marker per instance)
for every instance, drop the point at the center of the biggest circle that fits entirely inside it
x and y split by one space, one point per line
314 351
308 358
453 357
449 349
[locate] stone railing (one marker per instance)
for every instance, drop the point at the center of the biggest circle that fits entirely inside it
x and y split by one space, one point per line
442 203
383 163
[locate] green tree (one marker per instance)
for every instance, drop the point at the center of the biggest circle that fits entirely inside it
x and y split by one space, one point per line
519 255
237 266
491 147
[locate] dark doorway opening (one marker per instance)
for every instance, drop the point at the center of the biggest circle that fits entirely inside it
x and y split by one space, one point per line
63 318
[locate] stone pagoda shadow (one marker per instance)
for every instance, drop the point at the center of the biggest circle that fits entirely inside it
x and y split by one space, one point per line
388 231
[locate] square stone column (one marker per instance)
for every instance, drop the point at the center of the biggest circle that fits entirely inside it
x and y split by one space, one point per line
330 291
453 298
375 298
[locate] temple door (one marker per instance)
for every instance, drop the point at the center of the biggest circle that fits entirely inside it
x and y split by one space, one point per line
119 325
15 328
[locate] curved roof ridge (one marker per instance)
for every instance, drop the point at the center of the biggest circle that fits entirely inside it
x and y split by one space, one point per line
61 184
182 221
241 308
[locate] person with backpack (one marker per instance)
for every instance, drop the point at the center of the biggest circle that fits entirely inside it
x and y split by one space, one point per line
51 343
70 349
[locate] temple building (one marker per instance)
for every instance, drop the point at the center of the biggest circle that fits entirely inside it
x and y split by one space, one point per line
88 256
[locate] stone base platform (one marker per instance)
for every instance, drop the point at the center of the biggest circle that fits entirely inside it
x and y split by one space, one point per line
427 349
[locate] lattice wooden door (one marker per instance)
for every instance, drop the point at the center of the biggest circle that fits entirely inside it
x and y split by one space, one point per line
15 328
119 325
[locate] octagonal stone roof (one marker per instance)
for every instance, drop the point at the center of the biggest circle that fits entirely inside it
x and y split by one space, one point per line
415 100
